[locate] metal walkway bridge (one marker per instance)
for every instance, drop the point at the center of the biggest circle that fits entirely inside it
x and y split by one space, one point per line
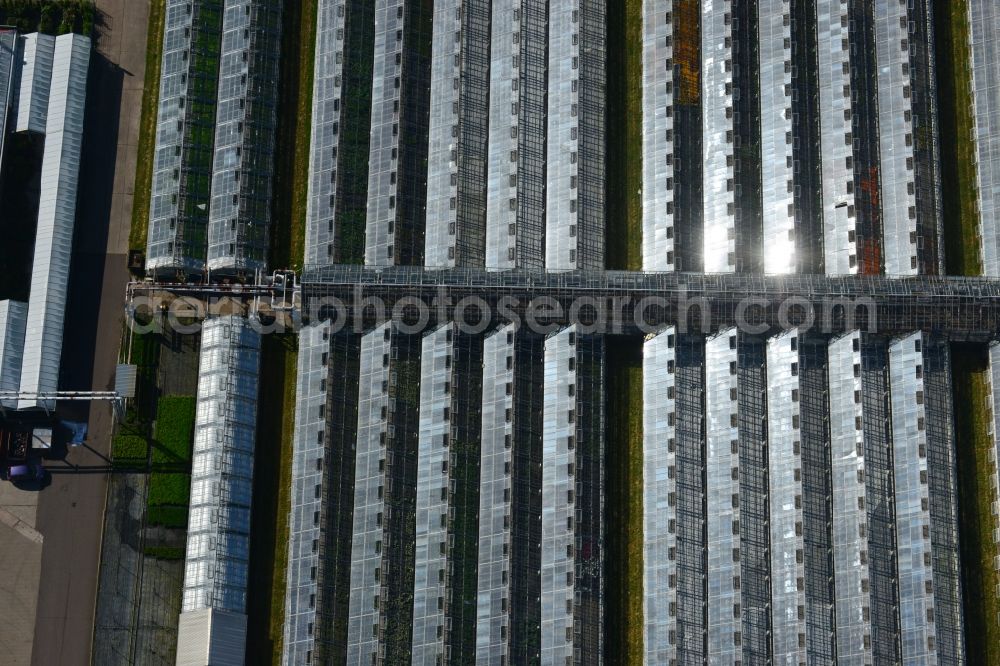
957 308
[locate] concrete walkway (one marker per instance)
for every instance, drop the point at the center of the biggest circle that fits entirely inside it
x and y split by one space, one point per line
71 510
21 553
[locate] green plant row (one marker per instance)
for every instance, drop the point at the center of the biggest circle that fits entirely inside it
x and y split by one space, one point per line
129 449
167 516
174 429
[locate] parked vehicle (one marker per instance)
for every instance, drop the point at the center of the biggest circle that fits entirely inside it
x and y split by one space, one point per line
16 460
25 472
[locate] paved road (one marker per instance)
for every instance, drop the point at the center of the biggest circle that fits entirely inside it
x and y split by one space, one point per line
70 512
21 553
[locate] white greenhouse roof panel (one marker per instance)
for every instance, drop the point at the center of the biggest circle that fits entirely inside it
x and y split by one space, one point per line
785 486
502 172
657 137
36 77
562 203
13 316
369 498
896 145
659 416
218 539
558 510
722 457
384 148
432 534
493 612
840 248
246 117
574 189
777 171
984 42
717 132
56 218
915 574
442 169
328 70
308 447
851 572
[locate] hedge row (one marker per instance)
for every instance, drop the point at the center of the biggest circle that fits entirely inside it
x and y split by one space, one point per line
54 17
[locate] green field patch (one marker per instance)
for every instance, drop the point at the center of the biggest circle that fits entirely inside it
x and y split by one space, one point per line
174 429
169 489
129 450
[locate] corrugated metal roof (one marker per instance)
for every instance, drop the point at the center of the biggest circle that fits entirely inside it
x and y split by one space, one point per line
56 218
211 637
9 51
13 315
36 78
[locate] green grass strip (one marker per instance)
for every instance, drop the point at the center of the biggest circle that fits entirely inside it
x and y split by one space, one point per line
624 158
958 153
961 240
976 520
624 531
291 179
272 501
147 128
